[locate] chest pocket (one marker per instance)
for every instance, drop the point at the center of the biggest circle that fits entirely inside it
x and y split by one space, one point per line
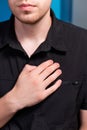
69 106
61 108
70 90
6 84
68 96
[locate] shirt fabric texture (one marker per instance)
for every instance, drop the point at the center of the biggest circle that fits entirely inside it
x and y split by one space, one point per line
65 44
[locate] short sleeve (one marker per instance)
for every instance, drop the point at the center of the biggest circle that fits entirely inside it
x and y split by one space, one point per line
83 94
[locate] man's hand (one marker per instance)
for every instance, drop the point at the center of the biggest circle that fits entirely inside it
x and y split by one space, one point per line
30 89
31 86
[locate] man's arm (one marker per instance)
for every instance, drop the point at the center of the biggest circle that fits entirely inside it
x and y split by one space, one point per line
30 89
8 108
83 119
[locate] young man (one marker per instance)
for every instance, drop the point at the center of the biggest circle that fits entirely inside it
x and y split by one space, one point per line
43 70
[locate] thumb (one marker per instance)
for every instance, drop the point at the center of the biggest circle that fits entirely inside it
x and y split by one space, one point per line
28 68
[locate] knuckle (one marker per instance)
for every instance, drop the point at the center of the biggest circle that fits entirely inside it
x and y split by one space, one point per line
52 90
40 97
50 70
60 71
52 78
27 67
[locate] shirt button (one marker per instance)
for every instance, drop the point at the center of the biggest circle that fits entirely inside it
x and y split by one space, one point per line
75 83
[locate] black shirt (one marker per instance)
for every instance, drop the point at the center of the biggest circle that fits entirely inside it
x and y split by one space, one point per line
65 44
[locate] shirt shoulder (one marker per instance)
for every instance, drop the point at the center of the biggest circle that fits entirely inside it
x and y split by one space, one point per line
72 35
4 31
69 28
4 24
4 27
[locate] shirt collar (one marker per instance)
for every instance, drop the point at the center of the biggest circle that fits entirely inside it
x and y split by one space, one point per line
56 34
55 37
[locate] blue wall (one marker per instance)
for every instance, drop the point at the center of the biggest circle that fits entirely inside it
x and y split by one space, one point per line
66 10
4 10
56 6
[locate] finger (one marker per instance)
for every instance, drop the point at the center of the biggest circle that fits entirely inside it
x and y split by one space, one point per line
49 70
52 77
52 89
43 66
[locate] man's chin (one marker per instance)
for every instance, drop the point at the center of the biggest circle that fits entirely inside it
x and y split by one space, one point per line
28 21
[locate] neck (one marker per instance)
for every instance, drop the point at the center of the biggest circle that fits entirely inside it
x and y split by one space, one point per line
31 36
37 31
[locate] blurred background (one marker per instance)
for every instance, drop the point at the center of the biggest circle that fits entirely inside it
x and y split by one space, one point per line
73 11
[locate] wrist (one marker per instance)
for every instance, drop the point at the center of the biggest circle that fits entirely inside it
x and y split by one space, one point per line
11 102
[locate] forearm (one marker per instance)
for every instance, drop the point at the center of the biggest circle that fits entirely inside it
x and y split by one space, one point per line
8 108
82 128
83 120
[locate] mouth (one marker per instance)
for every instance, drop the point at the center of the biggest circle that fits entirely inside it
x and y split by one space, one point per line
26 6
